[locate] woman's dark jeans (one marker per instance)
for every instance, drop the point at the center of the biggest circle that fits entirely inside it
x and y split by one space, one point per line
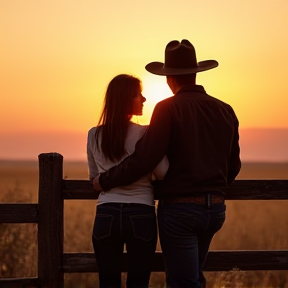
132 224
185 232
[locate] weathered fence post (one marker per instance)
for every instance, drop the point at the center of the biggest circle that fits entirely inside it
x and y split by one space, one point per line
50 224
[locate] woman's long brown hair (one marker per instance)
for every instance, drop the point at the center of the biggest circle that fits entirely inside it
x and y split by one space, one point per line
116 114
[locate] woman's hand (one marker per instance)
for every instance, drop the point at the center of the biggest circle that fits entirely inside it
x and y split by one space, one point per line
96 183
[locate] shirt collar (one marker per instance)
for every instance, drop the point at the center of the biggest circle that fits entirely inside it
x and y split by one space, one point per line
191 88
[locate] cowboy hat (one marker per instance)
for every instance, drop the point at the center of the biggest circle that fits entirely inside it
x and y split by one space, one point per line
180 58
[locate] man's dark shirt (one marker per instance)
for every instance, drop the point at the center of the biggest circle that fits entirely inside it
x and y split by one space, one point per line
199 135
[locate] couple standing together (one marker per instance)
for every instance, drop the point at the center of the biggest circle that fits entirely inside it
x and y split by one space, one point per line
191 146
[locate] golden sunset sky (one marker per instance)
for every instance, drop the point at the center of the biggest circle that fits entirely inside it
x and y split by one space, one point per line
57 57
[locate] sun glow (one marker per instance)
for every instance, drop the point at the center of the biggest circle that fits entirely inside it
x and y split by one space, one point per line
155 89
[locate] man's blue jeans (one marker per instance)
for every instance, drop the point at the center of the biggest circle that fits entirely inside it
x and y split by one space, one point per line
185 232
117 224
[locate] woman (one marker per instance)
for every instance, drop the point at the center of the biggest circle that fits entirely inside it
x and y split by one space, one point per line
125 215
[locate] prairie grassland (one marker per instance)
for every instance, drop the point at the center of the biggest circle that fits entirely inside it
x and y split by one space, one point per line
255 225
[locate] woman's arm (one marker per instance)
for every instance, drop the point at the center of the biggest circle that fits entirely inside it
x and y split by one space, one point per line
92 167
161 169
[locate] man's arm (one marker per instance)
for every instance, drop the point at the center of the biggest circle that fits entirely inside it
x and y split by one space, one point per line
235 162
149 151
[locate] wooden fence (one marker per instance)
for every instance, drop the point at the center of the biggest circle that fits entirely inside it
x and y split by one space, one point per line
48 214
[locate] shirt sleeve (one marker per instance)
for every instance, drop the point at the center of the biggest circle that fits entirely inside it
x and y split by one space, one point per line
92 167
161 169
235 162
149 151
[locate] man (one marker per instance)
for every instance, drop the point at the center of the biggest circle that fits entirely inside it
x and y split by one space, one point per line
199 135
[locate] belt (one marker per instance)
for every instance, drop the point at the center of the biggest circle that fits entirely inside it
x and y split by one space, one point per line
126 205
208 199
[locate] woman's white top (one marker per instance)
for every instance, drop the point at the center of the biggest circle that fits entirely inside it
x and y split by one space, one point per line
140 191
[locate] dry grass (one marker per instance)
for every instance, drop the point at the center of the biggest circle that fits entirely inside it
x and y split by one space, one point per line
254 225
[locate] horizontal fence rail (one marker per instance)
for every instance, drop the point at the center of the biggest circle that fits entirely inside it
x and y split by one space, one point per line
48 214
239 190
20 282
216 261
19 213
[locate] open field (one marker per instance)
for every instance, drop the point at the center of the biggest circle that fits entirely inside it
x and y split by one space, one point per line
256 225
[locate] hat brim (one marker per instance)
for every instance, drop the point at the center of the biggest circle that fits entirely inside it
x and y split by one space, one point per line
158 68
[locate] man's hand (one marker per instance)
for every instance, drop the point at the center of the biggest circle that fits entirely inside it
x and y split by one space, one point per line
96 183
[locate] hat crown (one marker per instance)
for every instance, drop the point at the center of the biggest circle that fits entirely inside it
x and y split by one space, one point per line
180 59
180 55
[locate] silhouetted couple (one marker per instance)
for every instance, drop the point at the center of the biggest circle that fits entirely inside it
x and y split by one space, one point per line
191 146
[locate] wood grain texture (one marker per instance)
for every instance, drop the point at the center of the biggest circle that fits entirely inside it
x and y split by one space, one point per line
216 261
19 282
50 224
18 213
239 190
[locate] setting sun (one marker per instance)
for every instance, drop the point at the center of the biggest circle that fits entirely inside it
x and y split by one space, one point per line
155 89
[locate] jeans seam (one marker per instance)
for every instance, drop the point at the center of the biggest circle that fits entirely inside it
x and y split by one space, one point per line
208 222
133 226
121 220
109 231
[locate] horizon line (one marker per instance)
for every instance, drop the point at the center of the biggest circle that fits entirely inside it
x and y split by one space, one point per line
83 160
